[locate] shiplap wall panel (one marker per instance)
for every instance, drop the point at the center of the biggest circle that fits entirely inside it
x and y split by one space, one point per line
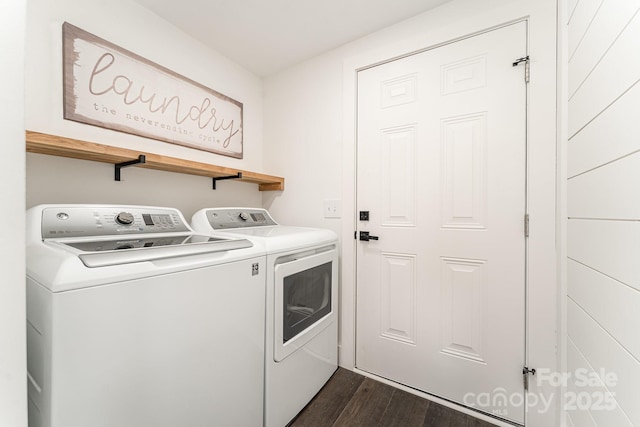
580 21
603 206
571 8
608 24
581 418
605 354
610 247
612 135
616 73
598 294
602 416
609 192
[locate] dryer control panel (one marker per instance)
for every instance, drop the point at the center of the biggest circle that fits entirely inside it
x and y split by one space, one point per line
80 221
224 218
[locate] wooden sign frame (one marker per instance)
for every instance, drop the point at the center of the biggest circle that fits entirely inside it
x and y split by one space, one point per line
113 88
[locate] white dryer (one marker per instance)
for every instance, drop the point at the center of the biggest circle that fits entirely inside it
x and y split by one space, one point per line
301 307
134 320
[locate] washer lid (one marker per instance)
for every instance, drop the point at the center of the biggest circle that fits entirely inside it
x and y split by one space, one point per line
136 242
101 253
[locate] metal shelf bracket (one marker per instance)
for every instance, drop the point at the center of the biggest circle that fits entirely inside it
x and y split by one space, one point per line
223 178
141 159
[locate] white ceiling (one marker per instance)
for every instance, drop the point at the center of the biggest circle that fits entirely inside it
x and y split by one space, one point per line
266 36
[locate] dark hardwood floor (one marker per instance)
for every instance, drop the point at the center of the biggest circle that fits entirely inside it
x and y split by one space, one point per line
350 399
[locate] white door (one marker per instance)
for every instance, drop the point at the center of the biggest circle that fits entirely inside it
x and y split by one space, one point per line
442 173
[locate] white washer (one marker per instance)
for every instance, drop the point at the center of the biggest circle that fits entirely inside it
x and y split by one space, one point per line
134 320
302 285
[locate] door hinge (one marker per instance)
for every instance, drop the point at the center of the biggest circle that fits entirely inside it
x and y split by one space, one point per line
526 371
527 69
526 225
355 235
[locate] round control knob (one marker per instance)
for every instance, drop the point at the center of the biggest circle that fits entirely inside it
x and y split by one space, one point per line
244 216
124 218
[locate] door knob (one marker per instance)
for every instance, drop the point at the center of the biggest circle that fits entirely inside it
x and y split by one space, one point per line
365 236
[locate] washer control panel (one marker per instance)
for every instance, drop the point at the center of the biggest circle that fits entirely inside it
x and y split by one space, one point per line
75 221
224 218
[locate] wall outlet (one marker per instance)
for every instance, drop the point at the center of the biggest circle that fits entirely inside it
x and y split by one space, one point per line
332 208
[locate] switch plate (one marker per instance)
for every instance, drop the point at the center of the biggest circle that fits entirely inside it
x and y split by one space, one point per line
332 208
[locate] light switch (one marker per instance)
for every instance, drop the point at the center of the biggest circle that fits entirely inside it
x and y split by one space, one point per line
332 208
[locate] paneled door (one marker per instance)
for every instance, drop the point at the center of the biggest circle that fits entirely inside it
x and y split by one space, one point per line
441 175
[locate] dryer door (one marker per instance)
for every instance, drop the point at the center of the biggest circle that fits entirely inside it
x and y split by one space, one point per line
305 300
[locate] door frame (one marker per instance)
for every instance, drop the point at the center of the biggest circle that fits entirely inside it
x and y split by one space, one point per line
543 328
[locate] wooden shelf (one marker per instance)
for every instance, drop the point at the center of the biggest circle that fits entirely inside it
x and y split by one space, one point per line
53 145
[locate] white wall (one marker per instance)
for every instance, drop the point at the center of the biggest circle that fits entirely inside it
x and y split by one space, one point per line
132 27
603 273
62 180
309 138
13 376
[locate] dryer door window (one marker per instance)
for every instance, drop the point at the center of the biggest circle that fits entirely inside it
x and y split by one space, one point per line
306 299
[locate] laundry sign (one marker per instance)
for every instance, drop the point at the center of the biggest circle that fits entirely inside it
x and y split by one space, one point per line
108 86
